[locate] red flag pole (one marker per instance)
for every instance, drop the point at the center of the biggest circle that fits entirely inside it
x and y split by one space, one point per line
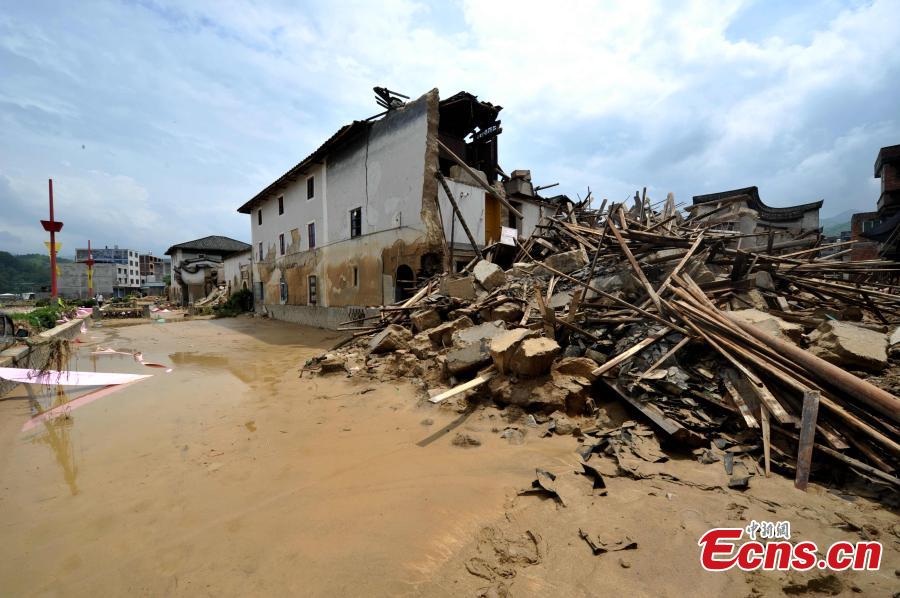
53 227
90 267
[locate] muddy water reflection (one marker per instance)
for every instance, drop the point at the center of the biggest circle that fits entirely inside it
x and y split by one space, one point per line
232 475
57 434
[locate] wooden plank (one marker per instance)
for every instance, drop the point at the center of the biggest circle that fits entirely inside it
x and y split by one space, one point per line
664 357
859 465
461 388
807 438
651 292
548 315
741 404
630 351
616 299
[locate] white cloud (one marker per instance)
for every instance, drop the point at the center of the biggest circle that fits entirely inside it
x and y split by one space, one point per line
189 109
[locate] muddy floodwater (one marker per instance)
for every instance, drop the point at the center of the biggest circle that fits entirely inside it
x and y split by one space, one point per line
231 474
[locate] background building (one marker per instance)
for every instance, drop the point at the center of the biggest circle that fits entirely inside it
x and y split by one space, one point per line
199 266
73 280
127 266
742 211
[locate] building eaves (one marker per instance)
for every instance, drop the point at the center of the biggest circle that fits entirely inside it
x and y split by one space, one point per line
755 203
887 155
212 243
342 135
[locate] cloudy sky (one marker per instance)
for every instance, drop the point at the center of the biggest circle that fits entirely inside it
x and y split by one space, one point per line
156 120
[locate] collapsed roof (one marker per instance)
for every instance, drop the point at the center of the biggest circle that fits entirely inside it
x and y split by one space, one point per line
751 195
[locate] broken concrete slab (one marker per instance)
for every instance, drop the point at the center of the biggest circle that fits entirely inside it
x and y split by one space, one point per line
579 367
489 275
894 339
509 312
562 425
846 345
520 269
504 345
480 334
423 319
390 339
466 359
774 325
764 280
331 362
894 343
753 298
566 261
534 356
532 393
460 288
560 300
622 281
441 335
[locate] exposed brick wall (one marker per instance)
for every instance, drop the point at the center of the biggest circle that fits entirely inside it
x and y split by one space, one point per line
890 178
858 220
867 250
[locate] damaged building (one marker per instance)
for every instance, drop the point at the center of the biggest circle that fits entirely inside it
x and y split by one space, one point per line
364 217
760 225
878 232
202 266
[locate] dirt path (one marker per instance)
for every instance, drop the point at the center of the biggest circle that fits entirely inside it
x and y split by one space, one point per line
231 475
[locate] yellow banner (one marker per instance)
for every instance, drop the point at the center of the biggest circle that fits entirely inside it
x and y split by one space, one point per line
58 246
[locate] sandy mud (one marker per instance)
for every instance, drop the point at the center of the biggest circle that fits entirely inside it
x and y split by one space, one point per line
233 475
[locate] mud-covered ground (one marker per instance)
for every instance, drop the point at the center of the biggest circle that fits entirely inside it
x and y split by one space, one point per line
233 475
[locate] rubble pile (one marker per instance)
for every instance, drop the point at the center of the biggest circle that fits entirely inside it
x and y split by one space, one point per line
780 356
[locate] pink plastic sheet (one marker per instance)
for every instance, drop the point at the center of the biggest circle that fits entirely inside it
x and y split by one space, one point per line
27 376
74 404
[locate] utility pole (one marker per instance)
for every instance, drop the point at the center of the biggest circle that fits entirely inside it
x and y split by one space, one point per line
52 226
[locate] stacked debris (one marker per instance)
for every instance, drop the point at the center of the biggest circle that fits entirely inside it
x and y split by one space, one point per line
717 346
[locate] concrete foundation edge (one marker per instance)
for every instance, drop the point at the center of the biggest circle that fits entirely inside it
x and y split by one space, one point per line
318 317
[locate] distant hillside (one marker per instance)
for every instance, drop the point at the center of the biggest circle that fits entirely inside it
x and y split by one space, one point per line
835 225
21 273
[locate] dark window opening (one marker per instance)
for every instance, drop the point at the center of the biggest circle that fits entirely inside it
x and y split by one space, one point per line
281 205
260 251
259 217
405 283
355 276
355 222
310 188
311 234
281 243
284 289
313 291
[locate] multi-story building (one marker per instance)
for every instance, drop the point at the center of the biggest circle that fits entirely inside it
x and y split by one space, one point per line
365 216
882 228
127 266
153 274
